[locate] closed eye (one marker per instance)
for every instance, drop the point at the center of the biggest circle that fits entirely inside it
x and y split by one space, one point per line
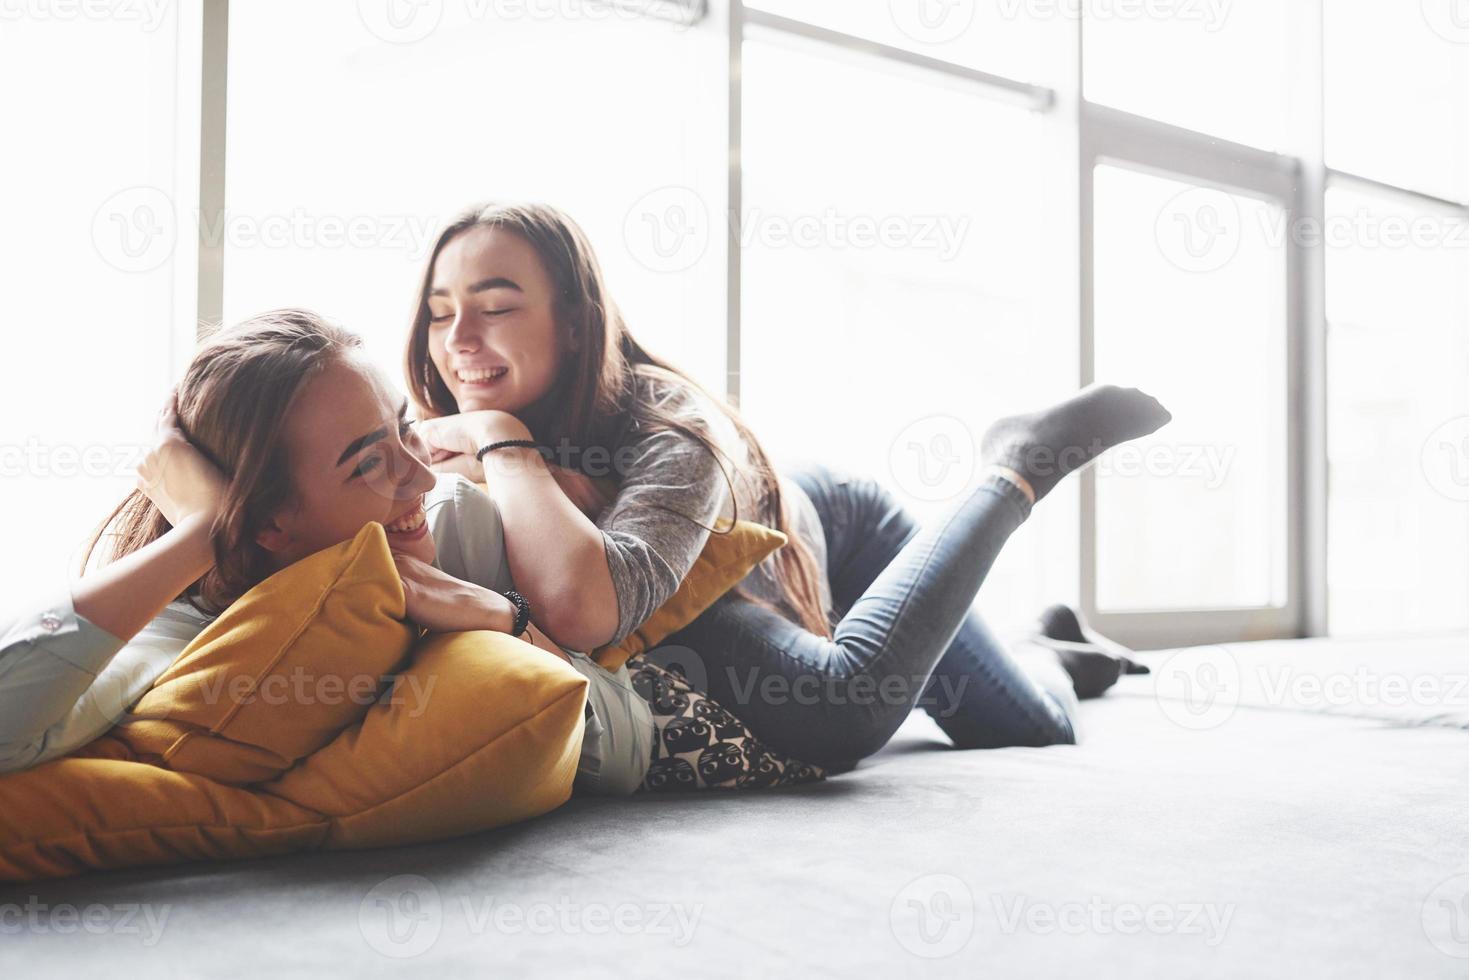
370 463
449 316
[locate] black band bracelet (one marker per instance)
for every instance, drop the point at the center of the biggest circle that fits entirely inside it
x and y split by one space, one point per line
522 612
519 443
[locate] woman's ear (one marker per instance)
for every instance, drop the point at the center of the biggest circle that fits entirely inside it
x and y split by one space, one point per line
275 537
571 336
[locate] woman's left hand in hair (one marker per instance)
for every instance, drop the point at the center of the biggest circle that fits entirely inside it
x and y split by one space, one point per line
454 439
178 478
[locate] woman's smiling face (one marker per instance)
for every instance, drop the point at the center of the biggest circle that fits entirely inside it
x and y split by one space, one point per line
354 459
492 327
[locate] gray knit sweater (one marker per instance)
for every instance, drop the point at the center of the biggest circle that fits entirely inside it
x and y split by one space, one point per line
649 549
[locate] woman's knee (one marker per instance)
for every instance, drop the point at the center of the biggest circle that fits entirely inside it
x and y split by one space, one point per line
1054 729
844 728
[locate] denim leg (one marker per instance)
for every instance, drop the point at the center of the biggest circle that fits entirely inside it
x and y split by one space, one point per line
978 693
904 595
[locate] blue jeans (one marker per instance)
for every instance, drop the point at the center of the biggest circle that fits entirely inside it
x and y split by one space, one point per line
907 634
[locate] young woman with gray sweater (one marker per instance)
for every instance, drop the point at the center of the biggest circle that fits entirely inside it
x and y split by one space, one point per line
611 468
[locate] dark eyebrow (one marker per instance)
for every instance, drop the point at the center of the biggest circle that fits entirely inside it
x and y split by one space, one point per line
484 285
362 442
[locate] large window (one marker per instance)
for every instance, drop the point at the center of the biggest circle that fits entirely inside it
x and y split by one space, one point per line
353 139
1004 38
1396 243
1228 66
1397 307
875 224
1193 517
1229 217
97 267
1193 287
1396 74
902 246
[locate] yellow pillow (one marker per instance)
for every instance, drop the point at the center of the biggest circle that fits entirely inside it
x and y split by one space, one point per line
285 668
480 730
724 562
103 810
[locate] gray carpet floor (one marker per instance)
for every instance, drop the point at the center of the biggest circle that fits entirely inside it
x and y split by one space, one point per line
1218 821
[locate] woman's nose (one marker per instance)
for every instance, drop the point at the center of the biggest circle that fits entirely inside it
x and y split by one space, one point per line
462 337
405 473
421 479
416 478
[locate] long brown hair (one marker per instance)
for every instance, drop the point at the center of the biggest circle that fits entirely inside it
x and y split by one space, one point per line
232 405
594 399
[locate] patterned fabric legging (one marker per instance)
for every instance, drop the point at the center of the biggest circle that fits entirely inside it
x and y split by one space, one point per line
699 745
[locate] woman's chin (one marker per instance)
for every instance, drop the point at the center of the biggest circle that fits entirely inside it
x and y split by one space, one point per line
476 399
422 548
481 403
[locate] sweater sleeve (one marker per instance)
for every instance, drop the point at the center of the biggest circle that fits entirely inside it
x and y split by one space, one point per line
672 490
64 681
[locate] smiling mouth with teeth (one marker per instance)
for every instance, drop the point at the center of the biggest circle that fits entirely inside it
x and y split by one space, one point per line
408 523
481 375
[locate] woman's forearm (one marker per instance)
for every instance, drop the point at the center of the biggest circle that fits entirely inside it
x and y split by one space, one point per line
557 555
539 639
126 595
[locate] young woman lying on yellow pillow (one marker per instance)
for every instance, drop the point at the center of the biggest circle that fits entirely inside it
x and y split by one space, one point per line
281 441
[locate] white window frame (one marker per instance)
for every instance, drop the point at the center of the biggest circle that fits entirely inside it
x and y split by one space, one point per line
1296 183
1143 145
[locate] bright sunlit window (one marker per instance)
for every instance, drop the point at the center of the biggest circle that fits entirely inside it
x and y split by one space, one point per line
941 213
1024 41
89 286
342 169
916 265
1194 312
1182 65
1397 309
1395 78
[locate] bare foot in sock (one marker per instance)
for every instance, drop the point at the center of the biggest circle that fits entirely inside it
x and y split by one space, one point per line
1044 446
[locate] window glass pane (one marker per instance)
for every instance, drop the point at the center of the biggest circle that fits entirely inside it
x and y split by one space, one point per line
89 205
1019 39
906 280
1398 422
1190 306
1221 68
342 169
1396 78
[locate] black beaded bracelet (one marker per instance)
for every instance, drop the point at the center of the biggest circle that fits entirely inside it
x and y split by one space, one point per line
522 612
524 443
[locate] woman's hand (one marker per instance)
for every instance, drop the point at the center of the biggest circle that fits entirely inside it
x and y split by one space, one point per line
454 439
442 603
179 480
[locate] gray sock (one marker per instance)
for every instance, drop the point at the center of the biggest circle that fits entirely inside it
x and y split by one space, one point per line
1044 446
